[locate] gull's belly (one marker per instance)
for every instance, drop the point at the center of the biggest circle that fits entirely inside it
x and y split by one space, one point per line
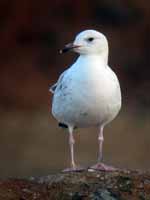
87 102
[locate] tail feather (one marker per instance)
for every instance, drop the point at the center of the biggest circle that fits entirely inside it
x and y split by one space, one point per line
62 125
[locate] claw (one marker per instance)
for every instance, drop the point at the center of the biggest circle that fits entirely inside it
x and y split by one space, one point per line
103 167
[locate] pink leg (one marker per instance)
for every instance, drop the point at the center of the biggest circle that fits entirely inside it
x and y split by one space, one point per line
100 165
100 139
71 145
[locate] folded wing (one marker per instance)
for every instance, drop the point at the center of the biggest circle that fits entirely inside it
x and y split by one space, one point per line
53 87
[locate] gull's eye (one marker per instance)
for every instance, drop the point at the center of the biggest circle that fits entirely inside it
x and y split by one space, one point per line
90 39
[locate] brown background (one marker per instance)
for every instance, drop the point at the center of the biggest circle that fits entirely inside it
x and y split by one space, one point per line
31 33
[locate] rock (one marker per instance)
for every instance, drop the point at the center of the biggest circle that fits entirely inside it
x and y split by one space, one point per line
86 185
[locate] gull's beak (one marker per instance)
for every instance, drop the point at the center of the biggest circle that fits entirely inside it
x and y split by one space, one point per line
68 47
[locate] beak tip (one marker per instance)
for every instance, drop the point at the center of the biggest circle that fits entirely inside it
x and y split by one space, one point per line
67 48
60 51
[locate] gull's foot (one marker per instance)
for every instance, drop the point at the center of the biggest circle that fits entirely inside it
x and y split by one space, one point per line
103 167
74 169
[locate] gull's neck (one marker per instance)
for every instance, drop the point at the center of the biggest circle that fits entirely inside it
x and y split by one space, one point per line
100 58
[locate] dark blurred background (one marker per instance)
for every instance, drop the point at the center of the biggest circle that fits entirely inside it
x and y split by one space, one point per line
31 33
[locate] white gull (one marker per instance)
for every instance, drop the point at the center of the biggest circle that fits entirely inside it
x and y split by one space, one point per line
88 93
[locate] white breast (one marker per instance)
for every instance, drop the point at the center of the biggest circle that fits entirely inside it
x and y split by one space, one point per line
87 96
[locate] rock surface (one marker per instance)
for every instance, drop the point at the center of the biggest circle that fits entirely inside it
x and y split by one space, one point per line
86 185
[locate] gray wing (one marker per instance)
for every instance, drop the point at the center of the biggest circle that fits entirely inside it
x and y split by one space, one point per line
53 87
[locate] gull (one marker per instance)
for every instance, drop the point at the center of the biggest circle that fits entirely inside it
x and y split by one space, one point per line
88 93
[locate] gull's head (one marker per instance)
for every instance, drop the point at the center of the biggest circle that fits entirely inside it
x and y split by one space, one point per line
88 42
